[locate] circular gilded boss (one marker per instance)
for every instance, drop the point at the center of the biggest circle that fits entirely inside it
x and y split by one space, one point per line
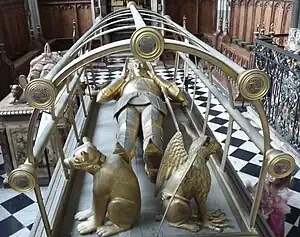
40 93
147 44
253 84
280 164
22 179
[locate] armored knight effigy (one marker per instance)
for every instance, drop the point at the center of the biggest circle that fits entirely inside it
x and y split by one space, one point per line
140 102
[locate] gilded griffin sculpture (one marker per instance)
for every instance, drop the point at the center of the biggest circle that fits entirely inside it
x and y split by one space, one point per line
116 192
195 185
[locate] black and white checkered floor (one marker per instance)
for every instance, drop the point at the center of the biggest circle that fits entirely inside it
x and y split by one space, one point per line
17 211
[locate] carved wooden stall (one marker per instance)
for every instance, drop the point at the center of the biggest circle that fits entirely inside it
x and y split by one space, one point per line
14 28
240 23
57 17
17 46
200 16
6 71
246 18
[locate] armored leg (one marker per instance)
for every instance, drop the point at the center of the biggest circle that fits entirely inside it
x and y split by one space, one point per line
152 124
128 122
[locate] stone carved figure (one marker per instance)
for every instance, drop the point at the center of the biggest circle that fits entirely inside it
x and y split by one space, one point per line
19 138
140 104
195 185
42 64
274 202
116 192
18 90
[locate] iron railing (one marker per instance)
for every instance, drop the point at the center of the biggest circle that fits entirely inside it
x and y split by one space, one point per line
282 102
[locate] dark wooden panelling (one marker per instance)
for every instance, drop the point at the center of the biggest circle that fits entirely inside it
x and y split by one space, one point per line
57 17
84 14
207 16
173 10
7 72
200 14
246 14
14 28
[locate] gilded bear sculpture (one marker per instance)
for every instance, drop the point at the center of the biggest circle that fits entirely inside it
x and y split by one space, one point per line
116 192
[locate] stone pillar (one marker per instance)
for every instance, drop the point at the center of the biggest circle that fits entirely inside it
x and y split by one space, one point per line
219 15
93 10
154 6
226 18
295 14
294 33
35 22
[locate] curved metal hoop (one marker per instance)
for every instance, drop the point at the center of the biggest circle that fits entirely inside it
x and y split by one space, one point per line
124 45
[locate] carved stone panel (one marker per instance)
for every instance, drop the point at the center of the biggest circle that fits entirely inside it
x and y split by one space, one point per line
8 166
17 137
17 140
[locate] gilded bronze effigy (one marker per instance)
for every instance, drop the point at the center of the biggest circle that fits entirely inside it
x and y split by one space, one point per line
140 102
116 197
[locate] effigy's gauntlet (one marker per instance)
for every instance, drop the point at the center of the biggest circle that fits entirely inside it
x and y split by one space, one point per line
172 89
110 91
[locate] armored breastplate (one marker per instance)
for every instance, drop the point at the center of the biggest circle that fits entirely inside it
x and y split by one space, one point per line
141 91
141 85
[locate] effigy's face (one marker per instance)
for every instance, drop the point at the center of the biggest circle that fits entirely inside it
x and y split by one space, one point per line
138 68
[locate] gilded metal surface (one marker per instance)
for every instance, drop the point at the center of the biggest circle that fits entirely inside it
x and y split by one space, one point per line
23 179
280 165
40 93
147 44
116 197
131 3
263 171
253 84
229 128
184 176
138 20
140 102
124 45
87 58
135 92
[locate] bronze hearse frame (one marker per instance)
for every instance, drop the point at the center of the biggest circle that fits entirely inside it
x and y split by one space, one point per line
53 92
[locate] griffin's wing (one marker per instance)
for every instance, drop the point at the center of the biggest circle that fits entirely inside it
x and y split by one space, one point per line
175 155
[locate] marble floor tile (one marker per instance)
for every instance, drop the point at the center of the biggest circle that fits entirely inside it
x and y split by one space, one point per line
27 214
21 233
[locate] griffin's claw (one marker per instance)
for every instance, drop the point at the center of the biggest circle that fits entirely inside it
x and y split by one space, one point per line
216 212
219 220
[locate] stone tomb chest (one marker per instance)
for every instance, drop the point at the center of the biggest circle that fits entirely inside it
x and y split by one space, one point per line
14 121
